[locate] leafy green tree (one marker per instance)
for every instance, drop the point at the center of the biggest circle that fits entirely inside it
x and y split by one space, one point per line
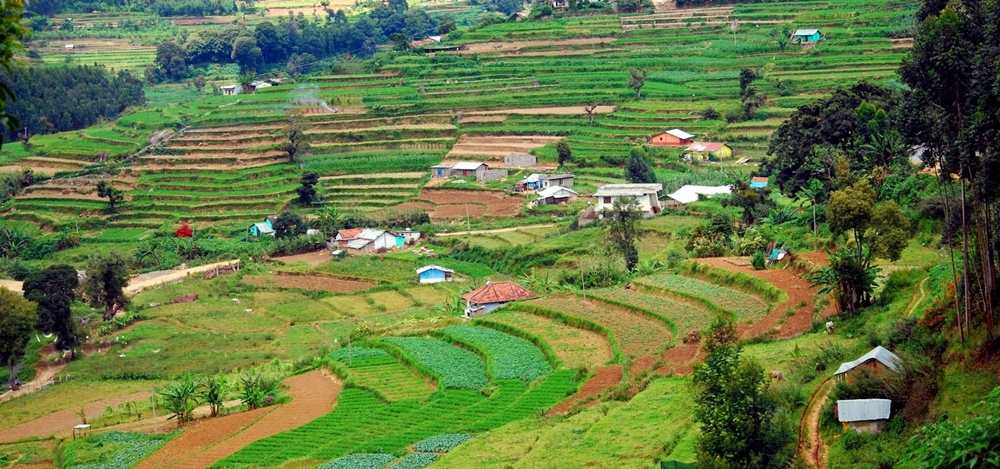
624 231
181 398
247 54
172 59
755 203
107 277
637 170
53 290
289 225
17 318
739 428
257 391
115 196
294 132
401 41
446 25
879 230
307 191
246 79
749 98
565 154
971 444
199 83
637 79
14 32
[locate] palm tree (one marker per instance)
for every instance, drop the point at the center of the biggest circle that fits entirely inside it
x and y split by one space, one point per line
147 254
213 392
246 79
181 399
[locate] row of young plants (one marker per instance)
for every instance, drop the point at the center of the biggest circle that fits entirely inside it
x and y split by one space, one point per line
507 356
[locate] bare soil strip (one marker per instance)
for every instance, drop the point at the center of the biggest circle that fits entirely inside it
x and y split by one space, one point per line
313 395
201 436
62 421
605 378
542 111
813 450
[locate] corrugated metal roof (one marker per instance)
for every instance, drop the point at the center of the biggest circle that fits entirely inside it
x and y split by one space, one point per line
531 178
689 193
468 165
887 358
557 176
553 190
704 146
615 190
370 234
805 32
358 243
263 228
433 267
680 134
863 410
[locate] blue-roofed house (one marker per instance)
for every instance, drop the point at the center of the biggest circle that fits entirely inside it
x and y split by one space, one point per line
434 274
806 35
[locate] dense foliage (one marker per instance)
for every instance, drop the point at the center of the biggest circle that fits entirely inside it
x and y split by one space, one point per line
53 290
17 319
973 443
56 99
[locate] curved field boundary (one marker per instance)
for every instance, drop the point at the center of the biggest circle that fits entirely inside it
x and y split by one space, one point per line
550 355
658 290
383 378
201 436
606 378
455 367
514 358
572 347
736 280
636 333
313 395
574 321
642 311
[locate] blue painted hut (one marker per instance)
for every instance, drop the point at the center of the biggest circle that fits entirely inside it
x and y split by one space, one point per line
434 274
806 35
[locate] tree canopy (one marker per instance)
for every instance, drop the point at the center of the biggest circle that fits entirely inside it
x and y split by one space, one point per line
53 290
637 170
107 277
17 319
624 230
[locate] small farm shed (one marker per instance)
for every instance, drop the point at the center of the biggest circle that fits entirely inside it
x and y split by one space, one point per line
644 194
710 150
864 415
231 90
469 168
492 296
440 171
806 35
878 360
408 236
533 182
264 228
689 193
434 274
672 138
520 160
559 179
371 240
758 182
556 195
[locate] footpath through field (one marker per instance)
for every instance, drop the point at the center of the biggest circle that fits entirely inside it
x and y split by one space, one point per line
498 230
810 440
313 394
146 280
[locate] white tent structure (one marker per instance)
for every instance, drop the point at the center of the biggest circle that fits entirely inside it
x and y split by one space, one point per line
689 193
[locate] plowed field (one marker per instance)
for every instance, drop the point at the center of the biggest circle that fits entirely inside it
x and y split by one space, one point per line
636 334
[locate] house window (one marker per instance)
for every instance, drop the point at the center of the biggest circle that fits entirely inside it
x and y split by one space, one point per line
607 200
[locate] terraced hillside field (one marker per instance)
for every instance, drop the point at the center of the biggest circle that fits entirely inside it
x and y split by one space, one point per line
746 307
637 334
575 347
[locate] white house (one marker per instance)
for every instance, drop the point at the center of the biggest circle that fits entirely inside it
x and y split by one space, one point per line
644 194
556 195
409 236
231 90
365 241
864 415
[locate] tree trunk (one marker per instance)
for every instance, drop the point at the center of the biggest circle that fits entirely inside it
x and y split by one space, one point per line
965 255
951 255
10 366
109 312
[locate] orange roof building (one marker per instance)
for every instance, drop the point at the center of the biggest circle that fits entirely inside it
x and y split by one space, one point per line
492 296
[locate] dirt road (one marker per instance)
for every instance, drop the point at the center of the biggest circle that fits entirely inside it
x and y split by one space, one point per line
810 440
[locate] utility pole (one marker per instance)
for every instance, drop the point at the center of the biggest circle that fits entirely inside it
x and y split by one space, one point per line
153 397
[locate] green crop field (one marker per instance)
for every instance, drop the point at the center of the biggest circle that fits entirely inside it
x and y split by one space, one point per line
687 316
636 333
507 357
745 306
458 368
376 369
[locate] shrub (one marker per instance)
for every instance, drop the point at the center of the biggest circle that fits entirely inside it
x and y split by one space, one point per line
758 260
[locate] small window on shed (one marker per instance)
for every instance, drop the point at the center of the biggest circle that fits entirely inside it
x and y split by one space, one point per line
607 200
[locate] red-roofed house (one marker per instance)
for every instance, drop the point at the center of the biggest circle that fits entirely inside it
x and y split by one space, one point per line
710 150
492 296
345 236
671 138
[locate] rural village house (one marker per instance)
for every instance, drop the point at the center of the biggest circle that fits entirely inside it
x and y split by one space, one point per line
878 360
231 90
264 228
672 138
434 274
520 160
360 241
864 415
644 194
492 296
806 35
409 236
481 171
709 150
556 195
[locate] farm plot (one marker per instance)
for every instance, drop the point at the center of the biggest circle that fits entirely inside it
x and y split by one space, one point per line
507 357
306 282
376 369
454 203
636 334
458 368
496 148
363 424
746 307
574 347
687 316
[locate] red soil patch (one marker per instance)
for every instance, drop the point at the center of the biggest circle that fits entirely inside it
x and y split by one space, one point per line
311 258
307 282
605 378
313 395
678 360
640 364
452 203
200 436
63 421
799 292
